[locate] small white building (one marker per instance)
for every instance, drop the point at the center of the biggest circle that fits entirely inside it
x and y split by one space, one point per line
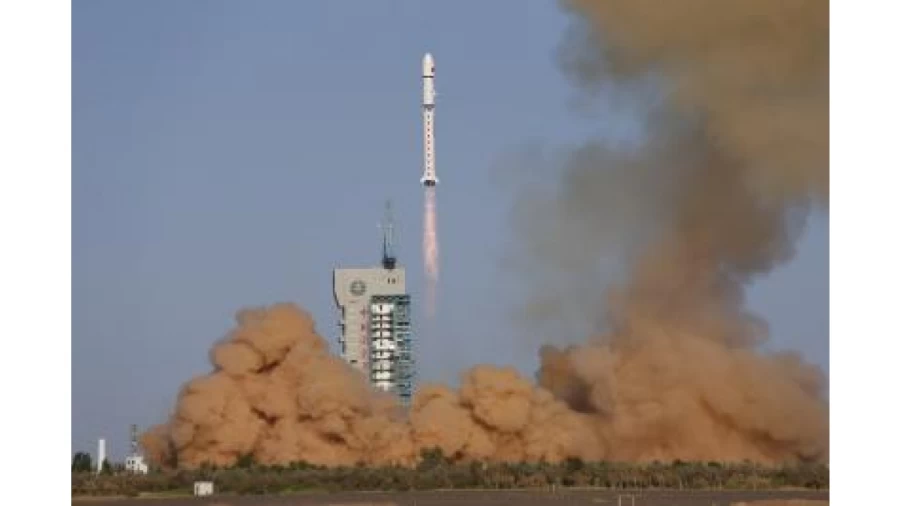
203 488
135 464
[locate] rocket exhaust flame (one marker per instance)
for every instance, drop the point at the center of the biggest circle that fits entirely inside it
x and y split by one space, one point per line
430 251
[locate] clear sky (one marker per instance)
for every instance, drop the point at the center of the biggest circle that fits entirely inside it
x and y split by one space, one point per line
230 154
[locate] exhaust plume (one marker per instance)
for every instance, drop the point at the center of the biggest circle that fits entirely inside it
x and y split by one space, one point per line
715 197
430 251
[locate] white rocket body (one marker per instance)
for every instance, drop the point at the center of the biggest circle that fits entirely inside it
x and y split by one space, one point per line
429 177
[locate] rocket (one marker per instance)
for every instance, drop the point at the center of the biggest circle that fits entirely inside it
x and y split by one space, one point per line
429 176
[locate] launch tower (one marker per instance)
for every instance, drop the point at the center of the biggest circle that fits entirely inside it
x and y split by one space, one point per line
375 319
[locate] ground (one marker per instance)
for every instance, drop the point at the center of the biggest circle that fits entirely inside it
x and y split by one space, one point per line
490 498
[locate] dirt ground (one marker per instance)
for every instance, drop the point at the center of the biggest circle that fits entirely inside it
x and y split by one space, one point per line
491 498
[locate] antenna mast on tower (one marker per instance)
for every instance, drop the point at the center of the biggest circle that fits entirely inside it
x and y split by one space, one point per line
388 258
134 439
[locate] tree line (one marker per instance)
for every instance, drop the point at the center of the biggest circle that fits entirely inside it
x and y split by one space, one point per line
82 463
437 472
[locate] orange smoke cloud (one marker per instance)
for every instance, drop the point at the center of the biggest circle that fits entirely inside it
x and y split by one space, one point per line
278 395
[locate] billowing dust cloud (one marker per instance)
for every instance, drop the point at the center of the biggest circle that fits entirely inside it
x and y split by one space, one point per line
279 395
736 157
740 145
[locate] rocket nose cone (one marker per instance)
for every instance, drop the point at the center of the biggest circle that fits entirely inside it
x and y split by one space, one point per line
428 65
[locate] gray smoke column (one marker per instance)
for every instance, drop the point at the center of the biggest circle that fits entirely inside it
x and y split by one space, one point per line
739 151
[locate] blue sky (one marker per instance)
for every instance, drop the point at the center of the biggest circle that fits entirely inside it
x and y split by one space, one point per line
230 154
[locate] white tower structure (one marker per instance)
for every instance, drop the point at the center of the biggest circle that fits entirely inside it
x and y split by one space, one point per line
101 454
429 177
